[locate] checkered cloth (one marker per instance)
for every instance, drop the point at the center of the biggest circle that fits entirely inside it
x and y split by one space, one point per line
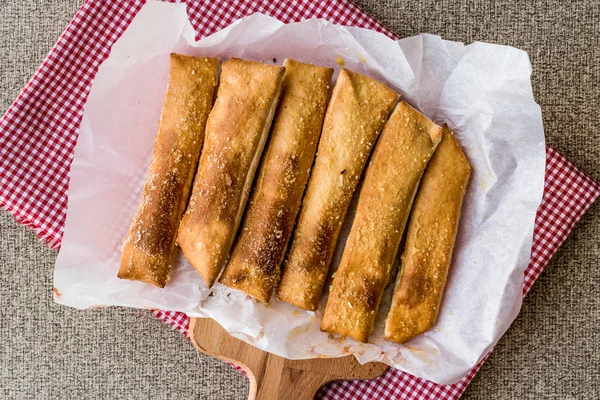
39 132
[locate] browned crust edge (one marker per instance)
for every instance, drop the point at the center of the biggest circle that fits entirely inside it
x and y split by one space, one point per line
357 112
391 181
149 249
254 266
430 243
236 132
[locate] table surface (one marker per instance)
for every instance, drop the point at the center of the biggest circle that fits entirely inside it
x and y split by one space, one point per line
551 351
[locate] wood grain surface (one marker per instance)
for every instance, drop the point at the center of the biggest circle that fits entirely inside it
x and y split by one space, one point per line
273 377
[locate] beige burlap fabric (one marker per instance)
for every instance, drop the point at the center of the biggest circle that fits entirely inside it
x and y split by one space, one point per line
552 350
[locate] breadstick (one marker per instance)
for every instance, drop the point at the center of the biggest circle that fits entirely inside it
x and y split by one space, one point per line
149 248
236 132
399 159
356 114
429 244
254 266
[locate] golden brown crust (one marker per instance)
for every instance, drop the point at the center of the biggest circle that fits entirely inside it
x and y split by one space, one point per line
150 245
254 266
236 131
430 240
391 180
356 114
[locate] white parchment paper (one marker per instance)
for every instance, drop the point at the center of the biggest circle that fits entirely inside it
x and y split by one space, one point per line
482 91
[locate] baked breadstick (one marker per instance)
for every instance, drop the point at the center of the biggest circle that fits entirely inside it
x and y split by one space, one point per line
399 159
149 248
356 114
254 266
429 243
236 132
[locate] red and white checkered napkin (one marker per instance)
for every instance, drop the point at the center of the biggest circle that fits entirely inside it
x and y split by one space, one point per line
39 131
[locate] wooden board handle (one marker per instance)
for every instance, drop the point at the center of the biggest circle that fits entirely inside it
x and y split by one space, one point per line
273 377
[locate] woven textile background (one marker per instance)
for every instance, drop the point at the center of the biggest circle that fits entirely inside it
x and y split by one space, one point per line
567 97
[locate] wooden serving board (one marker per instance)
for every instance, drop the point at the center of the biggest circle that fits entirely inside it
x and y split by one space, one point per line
273 377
